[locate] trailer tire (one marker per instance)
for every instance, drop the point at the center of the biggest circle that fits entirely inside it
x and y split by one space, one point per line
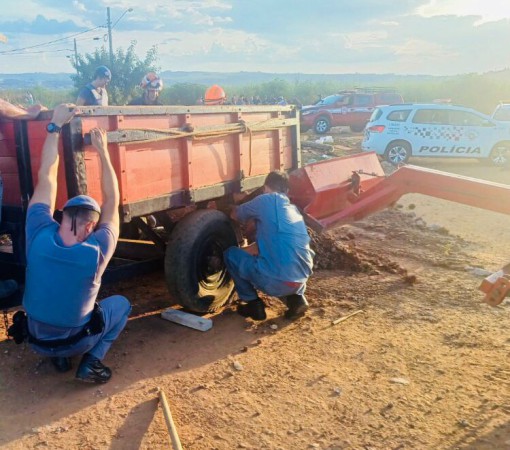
194 271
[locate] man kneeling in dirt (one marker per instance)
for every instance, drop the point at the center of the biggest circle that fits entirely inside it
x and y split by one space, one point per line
280 261
65 264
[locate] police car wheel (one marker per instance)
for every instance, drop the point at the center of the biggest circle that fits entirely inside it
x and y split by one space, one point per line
322 125
500 155
398 153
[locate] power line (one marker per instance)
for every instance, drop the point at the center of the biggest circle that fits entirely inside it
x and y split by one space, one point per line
41 51
49 42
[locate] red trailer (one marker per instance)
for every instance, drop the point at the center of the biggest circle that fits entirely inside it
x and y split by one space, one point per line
178 168
179 165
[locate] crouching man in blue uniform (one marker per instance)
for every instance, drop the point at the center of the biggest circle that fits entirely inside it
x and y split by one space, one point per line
280 261
65 263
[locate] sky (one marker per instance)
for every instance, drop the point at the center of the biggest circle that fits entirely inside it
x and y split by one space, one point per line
435 37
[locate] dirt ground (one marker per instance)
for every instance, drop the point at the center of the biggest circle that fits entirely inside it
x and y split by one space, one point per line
426 365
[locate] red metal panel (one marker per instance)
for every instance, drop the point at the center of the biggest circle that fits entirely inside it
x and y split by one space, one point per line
324 188
8 161
153 169
213 160
328 193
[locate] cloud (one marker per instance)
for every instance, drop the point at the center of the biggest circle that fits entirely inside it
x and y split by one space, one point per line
365 39
40 25
412 36
483 10
79 6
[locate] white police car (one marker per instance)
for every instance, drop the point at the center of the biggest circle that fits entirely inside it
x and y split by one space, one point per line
398 132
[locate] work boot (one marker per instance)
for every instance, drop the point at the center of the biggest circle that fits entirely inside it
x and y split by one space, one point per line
254 309
61 364
91 370
297 306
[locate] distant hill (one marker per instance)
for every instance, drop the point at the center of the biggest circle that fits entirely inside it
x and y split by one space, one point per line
31 80
63 80
241 78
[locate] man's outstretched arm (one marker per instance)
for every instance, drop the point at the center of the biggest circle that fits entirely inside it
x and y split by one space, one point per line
109 183
46 189
11 111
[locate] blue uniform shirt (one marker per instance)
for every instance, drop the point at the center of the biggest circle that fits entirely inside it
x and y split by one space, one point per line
92 96
62 282
282 238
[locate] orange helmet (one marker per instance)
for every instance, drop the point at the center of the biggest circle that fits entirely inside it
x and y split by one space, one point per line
215 95
152 81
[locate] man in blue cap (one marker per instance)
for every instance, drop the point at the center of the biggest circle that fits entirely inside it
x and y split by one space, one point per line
94 93
65 264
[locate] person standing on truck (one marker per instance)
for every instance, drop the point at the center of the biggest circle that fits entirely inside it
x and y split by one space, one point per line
94 93
65 264
152 86
10 111
280 261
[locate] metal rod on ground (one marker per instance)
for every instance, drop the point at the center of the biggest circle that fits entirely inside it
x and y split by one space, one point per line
337 321
174 436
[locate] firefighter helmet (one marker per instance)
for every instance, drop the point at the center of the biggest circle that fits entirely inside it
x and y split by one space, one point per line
215 95
152 81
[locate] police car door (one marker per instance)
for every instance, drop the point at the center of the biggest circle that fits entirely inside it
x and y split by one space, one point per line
475 134
431 132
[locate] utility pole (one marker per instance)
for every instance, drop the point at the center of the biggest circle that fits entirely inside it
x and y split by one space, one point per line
109 24
76 56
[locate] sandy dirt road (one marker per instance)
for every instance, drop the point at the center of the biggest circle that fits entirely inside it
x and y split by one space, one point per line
425 366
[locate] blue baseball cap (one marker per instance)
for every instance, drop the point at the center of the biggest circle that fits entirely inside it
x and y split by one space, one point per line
103 72
83 201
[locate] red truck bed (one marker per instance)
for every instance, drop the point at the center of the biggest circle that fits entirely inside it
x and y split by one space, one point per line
156 167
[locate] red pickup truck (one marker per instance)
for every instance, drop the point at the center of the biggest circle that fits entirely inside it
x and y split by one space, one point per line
347 108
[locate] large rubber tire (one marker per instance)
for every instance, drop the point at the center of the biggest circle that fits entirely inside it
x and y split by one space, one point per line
500 155
322 125
398 152
194 269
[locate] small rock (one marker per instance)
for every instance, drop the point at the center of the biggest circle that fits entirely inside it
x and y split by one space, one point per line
238 365
478 272
463 423
314 445
273 326
410 279
399 381
420 223
244 349
337 391
179 365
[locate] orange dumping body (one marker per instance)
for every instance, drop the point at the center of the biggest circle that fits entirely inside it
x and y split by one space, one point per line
343 190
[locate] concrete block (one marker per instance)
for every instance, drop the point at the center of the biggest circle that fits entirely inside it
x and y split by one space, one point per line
187 319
